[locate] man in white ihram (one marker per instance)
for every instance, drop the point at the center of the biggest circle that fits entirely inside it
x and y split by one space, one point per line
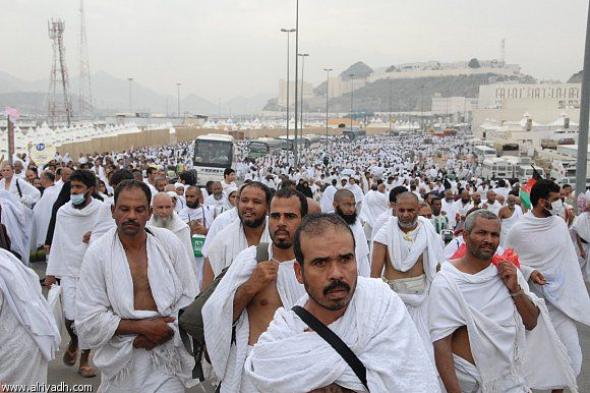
364 313
549 260
247 297
74 219
406 252
29 336
165 217
133 282
478 314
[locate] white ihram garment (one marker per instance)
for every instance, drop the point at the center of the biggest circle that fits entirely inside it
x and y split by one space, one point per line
14 218
228 358
183 234
29 336
42 214
581 227
361 249
508 359
105 297
376 327
508 223
222 221
228 243
403 256
544 244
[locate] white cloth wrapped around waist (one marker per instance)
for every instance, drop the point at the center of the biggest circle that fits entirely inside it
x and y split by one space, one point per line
105 297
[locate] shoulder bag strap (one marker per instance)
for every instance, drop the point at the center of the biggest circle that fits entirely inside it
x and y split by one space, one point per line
335 342
262 252
20 193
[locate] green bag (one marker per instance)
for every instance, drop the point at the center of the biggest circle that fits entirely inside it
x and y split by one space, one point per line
190 318
198 241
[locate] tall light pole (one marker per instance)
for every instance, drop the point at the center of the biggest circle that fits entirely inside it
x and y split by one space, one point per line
327 98
296 69
178 97
303 56
351 97
584 117
288 31
130 102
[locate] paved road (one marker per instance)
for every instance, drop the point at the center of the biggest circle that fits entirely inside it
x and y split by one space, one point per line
58 372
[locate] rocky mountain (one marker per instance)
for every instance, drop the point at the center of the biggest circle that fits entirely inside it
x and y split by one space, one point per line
404 94
576 78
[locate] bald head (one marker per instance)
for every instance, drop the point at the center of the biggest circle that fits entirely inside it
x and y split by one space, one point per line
343 195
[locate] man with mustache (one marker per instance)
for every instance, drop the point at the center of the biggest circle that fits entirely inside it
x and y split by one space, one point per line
406 253
250 293
345 207
365 314
478 313
249 229
132 283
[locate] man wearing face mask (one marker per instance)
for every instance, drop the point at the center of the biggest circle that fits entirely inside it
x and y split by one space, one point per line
406 253
550 263
74 219
344 205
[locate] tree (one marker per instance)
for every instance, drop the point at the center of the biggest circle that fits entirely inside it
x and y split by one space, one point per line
473 63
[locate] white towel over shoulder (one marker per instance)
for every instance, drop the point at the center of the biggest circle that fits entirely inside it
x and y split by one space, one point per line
377 328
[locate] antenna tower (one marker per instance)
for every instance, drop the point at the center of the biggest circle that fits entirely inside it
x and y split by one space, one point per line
59 107
85 87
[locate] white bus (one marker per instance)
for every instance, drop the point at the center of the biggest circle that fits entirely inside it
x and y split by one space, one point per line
213 153
482 152
262 147
496 167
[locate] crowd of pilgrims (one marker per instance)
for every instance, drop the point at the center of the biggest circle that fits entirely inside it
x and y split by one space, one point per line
430 277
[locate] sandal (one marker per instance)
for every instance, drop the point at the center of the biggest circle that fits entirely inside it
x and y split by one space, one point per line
87 371
70 357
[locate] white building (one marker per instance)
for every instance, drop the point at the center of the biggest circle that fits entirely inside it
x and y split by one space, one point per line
452 105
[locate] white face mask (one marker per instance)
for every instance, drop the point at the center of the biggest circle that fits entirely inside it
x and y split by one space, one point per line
77 199
557 208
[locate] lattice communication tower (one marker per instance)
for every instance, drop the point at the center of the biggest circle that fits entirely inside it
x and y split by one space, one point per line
59 103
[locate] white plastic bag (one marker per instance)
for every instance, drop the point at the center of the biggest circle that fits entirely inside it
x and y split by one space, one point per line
54 300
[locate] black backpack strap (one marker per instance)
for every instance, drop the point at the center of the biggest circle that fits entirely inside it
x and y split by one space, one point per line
262 252
20 193
335 342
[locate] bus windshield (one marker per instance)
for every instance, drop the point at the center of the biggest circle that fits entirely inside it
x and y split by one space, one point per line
213 153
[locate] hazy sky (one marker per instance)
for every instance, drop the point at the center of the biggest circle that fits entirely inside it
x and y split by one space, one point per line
224 48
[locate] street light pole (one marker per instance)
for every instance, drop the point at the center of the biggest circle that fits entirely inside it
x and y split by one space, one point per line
351 98
327 98
296 70
584 117
288 31
303 56
178 97
130 101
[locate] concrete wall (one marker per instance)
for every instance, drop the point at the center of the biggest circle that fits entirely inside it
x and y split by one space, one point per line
163 137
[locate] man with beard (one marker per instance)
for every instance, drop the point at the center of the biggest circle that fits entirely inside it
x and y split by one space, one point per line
250 293
199 218
479 310
165 217
492 204
406 253
462 206
368 317
386 215
345 207
249 229
217 200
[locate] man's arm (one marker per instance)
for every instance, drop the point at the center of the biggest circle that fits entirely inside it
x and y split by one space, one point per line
208 275
525 307
378 259
264 274
443 357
